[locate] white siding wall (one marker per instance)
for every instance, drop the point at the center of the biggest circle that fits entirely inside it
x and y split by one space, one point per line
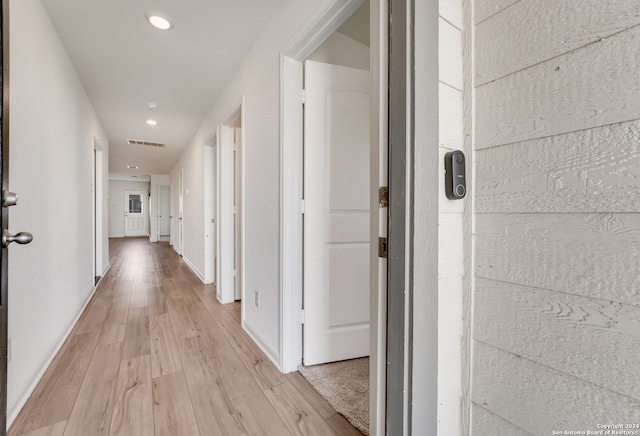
52 132
451 230
556 323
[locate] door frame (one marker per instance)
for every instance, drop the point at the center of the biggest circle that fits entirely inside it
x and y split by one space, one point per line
4 176
158 188
225 199
98 207
145 205
316 30
326 20
172 211
180 247
211 207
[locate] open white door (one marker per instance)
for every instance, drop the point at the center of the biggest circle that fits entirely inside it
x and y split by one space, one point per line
237 212
227 216
336 213
135 213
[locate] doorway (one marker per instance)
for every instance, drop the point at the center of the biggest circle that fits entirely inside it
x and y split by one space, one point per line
230 199
135 214
211 211
97 211
164 213
180 212
334 250
313 33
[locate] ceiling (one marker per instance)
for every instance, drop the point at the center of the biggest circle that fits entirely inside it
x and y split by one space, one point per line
124 63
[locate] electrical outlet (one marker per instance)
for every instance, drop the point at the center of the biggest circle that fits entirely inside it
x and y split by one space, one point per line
257 298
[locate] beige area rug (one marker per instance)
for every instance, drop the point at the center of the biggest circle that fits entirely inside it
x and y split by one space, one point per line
345 385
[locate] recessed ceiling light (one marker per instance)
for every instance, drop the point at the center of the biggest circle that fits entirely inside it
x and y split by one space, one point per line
159 22
152 122
132 167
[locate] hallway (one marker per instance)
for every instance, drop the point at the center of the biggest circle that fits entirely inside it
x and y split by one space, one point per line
154 353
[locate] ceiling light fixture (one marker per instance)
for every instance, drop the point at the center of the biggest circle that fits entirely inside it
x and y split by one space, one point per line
152 107
159 22
132 167
152 122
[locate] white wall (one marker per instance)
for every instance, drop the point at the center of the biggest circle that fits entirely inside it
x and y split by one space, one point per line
258 80
556 303
52 131
156 180
117 189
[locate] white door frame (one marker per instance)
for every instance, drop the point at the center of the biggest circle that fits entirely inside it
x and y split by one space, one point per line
158 188
172 211
226 236
326 20
98 207
181 212
211 220
378 49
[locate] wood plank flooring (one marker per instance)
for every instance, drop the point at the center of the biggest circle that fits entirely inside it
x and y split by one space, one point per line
155 353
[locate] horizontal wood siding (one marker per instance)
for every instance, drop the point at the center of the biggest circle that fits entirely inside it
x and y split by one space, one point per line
556 297
450 233
486 423
555 32
592 86
588 338
539 399
450 58
450 122
484 9
451 11
594 255
594 170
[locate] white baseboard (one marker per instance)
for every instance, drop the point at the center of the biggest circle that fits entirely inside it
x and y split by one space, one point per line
14 407
193 268
272 354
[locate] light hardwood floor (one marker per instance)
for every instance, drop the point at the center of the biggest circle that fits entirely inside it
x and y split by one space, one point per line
155 353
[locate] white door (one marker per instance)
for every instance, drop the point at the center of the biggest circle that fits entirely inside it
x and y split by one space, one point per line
214 219
135 213
164 213
336 213
225 285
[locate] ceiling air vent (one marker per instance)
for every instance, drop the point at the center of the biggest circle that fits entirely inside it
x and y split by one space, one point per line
149 143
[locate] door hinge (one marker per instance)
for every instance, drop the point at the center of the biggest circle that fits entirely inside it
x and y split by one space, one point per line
301 206
382 248
301 316
383 196
303 96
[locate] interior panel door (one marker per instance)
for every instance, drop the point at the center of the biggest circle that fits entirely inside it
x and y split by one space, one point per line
135 214
336 215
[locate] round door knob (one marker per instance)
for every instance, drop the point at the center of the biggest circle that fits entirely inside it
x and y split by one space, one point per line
20 238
